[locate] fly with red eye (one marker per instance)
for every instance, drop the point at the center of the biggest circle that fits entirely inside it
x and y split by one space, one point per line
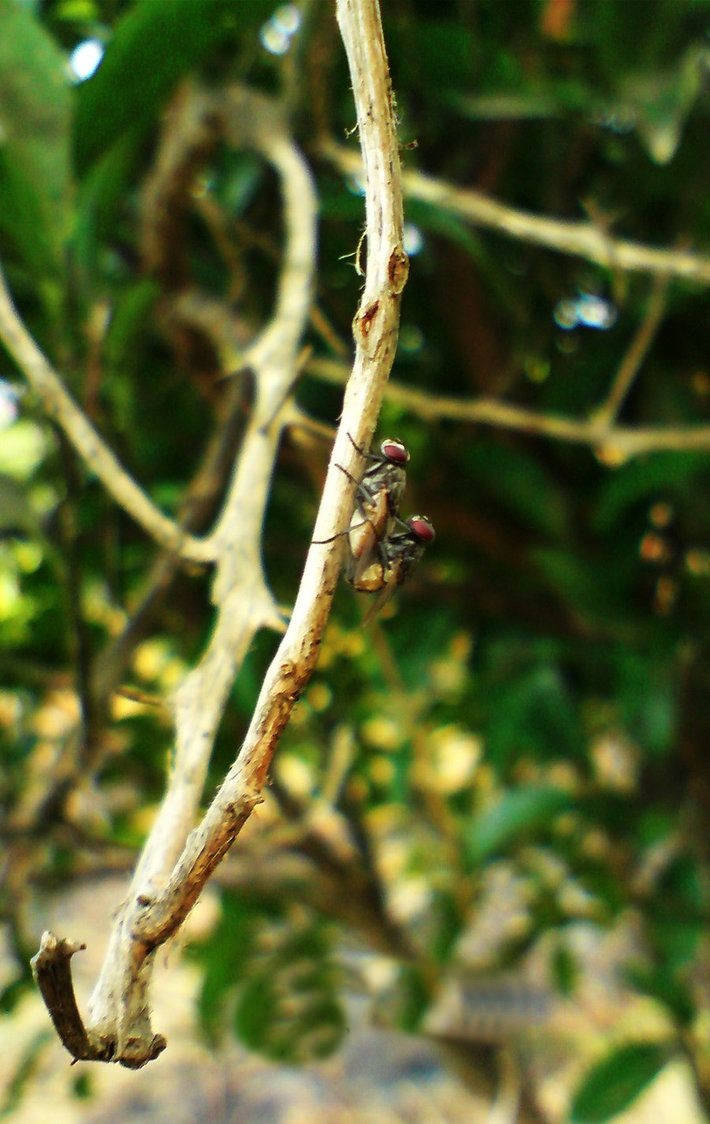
377 495
387 473
383 548
396 555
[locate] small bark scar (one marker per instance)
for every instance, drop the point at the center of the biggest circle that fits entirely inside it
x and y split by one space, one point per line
364 326
397 270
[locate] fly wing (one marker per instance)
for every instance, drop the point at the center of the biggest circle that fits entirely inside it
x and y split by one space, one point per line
367 528
401 553
390 580
368 524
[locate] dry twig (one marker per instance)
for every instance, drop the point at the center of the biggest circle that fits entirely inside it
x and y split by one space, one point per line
584 239
607 413
164 887
614 443
61 407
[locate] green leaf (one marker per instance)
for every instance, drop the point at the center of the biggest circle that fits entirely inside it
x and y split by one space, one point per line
417 639
526 100
429 216
446 918
100 197
34 140
127 322
76 11
518 812
616 1081
575 578
413 998
23 227
83 1087
678 918
289 1010
13 992
16 511
23 447
662 985
240 181
677 938
280 979
153 46
446 51
25 1069
660 103
648 694
565 969
432 217
225 956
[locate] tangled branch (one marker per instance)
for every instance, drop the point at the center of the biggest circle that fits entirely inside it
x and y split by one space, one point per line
173 869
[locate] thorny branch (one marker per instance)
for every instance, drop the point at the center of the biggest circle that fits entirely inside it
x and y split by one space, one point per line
167 883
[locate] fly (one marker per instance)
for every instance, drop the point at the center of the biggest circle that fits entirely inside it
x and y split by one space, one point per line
384 567
383 548
377 495
387 473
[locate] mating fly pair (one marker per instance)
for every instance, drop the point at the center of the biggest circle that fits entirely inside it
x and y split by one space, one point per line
383 548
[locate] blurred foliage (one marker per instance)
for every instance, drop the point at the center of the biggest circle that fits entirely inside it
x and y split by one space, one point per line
536 708
615 1082
278 971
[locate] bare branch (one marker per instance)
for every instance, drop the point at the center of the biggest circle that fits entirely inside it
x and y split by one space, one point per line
613 443
585 239
97 456
629 367
155 908
118 1006
375 330
51 970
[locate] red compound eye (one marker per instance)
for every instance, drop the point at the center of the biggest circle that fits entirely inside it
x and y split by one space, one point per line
394 451
420 526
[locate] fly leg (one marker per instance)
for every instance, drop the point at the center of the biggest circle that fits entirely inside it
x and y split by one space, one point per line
339 534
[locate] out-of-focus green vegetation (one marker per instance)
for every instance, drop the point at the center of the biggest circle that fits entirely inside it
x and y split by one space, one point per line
536 709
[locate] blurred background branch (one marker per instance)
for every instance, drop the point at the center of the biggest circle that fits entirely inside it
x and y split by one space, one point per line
616 443
583 239
487 822
59 405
